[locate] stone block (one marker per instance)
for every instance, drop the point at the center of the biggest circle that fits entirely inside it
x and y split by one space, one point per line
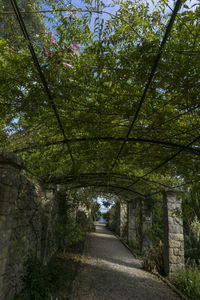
174 268
178 237
174 244
178 252
174 229
174 220
175 259
175 207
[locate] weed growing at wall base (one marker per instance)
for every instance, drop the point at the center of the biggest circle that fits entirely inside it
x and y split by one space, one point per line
154 262
188 281
37 285
44 282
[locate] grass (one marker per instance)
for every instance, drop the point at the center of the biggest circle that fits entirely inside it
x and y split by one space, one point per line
188 281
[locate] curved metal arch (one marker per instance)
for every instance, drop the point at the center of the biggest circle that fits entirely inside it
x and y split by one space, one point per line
107 183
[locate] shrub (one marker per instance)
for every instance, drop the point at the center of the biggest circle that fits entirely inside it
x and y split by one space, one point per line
44 282
68 234
36 285
195 227
188 281
67 230
154 262
192 249
83 221
156 233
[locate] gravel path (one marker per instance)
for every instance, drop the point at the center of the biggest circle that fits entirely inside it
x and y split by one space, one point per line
110 272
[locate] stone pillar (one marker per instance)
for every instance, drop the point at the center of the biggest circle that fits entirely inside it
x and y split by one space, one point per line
121 218
173 233
146 225
47 248
132 222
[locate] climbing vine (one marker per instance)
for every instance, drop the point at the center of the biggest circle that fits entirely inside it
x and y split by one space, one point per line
117 92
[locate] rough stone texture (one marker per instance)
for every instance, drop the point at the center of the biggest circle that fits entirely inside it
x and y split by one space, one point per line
173 233
27 215
122 219
112 221
132 222
146 225
110 272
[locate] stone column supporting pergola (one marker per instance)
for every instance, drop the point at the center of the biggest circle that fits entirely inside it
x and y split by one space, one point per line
122 218
50 191
173 233
146 224
132 222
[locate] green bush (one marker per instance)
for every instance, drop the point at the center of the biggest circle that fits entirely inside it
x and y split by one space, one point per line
156 233
36 285
67 230
83 221
43 282
192 249
188 281
68 234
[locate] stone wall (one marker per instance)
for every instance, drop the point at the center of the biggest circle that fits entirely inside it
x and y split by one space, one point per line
28 215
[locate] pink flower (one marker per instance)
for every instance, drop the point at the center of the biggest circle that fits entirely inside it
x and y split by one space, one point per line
75 47
66 64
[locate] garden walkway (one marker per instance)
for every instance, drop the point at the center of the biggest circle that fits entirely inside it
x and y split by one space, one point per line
110 272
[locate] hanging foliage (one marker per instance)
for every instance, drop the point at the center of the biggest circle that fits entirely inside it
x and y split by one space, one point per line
125 100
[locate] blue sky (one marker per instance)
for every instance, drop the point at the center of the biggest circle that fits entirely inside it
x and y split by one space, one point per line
112 8
100 200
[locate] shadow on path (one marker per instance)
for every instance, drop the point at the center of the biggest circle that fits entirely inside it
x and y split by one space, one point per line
109 272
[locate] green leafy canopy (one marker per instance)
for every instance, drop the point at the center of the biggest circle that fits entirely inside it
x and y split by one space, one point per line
96 66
